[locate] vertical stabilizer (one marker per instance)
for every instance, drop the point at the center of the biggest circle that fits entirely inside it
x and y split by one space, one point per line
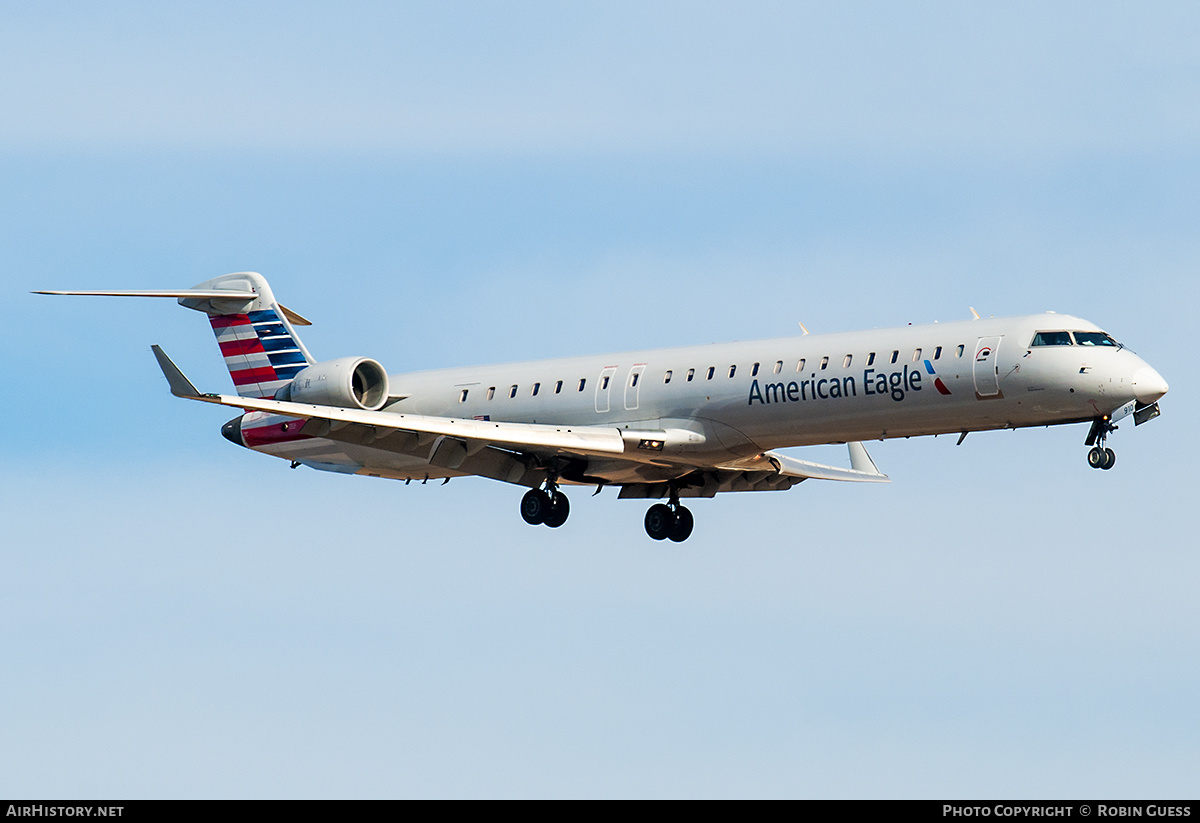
260 347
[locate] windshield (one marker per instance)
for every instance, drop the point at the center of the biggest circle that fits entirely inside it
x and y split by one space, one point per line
1094 338
1051 338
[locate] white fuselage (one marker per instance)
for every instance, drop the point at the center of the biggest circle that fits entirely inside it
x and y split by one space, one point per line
739 399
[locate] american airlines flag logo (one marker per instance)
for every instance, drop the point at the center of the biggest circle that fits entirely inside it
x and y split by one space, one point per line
259 352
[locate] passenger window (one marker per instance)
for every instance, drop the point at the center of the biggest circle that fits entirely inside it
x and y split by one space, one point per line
960 351
1051 338
691 374
604 383
937 353
800 364
753 371
711 371
536 386
582 383
916 355
558 387
732 369
846 362
491 392
633 379
895 355
667 376
462 398
512 392
824 363
871 359
778 366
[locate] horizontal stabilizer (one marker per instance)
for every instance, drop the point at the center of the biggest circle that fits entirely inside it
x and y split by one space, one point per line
200 294
187 294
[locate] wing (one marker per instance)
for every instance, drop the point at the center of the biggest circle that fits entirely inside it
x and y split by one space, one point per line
524 453
583 440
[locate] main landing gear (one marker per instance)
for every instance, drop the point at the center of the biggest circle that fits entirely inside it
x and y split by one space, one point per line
1100 457
546 506
549 507
669 521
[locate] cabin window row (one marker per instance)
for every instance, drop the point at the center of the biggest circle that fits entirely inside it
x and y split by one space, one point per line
802 362
711 372
514 389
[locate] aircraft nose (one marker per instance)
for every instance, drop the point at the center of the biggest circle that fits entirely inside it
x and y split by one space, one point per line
1148 385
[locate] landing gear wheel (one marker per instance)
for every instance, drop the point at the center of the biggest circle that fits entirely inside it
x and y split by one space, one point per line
660 522
535 507
1100 457
683 525
559 509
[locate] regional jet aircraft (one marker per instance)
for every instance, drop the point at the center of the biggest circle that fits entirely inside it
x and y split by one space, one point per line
665 424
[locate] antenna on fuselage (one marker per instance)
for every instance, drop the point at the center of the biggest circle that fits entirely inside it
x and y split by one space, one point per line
974 313
803 329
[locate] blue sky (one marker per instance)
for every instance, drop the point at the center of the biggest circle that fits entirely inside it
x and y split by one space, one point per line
459 183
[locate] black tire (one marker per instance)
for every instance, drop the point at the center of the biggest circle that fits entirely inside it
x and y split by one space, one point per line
1110 459
535 505
660 522
1096 457
683 525
558 512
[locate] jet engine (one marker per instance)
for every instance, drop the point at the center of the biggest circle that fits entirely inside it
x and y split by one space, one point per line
348 382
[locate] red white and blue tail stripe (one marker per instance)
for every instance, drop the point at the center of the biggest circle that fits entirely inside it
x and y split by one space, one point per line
260 350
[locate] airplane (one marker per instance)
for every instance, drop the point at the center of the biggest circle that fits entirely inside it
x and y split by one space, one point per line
666 424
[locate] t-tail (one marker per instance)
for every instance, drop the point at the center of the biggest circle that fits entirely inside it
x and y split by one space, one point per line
261 348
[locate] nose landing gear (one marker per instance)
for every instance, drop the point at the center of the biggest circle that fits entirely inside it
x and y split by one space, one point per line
1100 457
669 521
546 506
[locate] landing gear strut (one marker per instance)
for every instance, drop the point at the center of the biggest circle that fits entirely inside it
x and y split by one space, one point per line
546 506
669 521
1100 457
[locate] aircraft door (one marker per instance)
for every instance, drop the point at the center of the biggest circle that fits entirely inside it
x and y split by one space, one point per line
986 366
633 385
604 387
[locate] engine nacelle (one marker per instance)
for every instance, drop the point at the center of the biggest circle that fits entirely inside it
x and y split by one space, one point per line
348 382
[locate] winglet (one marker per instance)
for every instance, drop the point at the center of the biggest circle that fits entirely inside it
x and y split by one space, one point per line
180 385
860 461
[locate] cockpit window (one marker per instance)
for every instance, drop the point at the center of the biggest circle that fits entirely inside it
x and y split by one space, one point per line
1094 338
1051 338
